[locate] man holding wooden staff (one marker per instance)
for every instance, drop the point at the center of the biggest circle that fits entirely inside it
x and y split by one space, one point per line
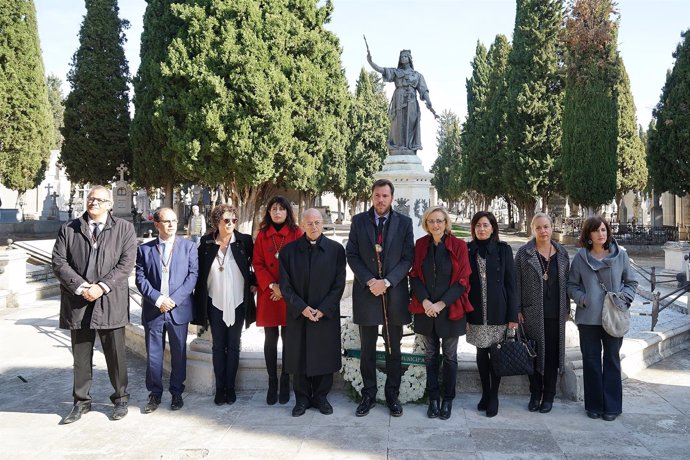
379 251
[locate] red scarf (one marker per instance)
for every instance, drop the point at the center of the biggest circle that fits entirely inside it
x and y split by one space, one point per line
460 262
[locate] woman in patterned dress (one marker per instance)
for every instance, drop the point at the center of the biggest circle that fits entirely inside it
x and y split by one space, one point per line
494 298
542 266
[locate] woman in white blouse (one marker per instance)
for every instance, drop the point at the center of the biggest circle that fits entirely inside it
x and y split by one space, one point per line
224 295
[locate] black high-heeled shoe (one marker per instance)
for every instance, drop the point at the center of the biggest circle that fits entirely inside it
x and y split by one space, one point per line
481 406
492 407
272 393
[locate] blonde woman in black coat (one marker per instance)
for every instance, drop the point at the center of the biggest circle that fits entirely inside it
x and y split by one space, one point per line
541 268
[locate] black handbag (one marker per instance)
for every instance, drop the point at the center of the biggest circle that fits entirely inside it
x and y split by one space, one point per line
513 355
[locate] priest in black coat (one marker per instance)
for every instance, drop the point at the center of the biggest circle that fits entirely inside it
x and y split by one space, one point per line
312 280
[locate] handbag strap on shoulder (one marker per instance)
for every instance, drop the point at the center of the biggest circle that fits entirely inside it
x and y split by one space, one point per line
601 281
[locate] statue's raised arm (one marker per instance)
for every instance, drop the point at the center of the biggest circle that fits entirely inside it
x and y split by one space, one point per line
405 134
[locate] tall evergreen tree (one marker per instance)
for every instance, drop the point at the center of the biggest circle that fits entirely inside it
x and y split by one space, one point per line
590 114
631 156
534 104
448 163
669 141
57 108
149 139
25 124
368 122
470 138
96 131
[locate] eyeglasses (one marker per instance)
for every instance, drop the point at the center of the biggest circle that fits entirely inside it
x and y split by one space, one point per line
316 223
435 221
96 200
168 222
228 220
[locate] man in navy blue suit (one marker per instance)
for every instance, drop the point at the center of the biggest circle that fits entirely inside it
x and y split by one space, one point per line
166 273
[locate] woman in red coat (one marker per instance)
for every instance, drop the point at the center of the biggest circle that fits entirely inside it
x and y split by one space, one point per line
278 228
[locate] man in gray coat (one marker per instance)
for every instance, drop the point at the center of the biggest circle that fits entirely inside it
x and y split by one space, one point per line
380 251
93 257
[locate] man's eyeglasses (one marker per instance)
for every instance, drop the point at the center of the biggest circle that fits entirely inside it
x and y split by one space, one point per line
97 200
228 220
168 222
435 221
316 223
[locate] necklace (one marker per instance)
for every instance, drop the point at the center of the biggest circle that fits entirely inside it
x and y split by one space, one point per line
221 260
277 248
165 262
545 276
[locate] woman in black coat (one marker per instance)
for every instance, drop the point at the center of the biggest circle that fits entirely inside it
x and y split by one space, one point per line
224 296
542 269
494 298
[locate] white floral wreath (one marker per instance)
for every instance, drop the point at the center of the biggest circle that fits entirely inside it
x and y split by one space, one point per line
413 381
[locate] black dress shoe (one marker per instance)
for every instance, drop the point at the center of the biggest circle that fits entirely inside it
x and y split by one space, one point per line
446 409
230 397
120 410
433 410
220 398
284 392
545 407
177 402
299 409
272 392
492 407
533 405
395 408
152 405
325 407
365 406
592 414
609 417
75 414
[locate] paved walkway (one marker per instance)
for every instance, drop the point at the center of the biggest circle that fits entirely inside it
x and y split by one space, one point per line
36 379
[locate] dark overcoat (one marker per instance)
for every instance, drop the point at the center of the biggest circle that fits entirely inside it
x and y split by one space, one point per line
530 291
184 269
242 250
116 253
314 276
502 299
398 253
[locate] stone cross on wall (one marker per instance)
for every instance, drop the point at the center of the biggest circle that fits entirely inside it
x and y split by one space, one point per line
49 187
122 169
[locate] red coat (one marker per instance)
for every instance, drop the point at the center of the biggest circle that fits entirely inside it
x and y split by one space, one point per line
461 273
267 268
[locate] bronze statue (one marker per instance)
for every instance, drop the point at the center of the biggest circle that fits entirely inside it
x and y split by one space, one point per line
405 134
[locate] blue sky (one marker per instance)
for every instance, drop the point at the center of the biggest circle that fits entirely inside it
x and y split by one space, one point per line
442 35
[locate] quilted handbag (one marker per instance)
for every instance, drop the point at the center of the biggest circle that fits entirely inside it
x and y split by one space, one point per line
513 355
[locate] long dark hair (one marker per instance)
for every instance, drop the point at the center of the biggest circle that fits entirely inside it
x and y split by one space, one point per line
492 221
283 203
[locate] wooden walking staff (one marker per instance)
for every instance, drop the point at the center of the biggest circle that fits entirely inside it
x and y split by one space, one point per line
384 298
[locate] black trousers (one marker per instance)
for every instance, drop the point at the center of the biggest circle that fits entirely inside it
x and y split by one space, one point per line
113 343
313 389
367 365
601 374
226 346
434 344
543 386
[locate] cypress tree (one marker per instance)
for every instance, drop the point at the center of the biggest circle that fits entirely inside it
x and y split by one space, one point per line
534 103
448 163
368 122
148 139
590 114
669 137
25 123
631 157
57 108
96 131
470 138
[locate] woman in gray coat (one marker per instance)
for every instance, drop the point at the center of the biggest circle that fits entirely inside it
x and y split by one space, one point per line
541 268
599 258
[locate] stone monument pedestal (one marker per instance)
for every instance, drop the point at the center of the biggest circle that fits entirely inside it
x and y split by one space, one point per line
412 187
674 255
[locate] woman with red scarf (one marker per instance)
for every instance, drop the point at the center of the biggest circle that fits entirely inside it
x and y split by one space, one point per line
278 228
440 282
